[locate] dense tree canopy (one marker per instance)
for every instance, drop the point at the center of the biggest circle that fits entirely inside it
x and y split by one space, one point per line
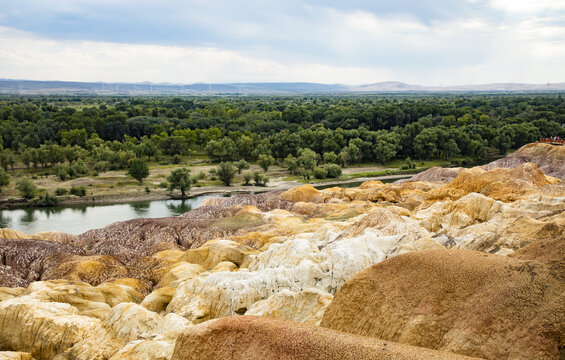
109 132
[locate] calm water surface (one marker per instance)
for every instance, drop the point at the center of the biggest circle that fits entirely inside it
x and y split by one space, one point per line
76 219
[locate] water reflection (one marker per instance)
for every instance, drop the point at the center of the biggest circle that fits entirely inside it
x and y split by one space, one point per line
5 222
28 217
140 208
76 219
177 209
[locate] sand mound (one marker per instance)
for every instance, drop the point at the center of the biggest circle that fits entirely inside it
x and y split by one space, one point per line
256 338
460 301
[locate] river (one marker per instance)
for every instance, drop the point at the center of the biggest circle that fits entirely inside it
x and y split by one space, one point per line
76 219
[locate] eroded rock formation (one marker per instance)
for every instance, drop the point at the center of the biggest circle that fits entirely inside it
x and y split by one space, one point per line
470 261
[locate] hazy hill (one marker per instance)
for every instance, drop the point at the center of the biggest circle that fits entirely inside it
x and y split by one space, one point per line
9 86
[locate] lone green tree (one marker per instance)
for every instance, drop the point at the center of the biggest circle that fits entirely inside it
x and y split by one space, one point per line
241 165
179 179
226 173
26 188
4 179
138 169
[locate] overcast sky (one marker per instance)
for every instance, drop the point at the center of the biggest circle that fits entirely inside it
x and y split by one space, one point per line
424 42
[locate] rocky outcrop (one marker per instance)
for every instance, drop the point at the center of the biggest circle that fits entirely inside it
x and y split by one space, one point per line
460 301
435 174
306 306
549 158
27 257
256 338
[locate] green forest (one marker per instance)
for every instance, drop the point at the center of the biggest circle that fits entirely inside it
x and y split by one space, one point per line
311 136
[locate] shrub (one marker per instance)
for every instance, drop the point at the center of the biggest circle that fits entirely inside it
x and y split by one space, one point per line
330 157
320 172
78 191
47 200
176 159
101 166
333 170
147 190
26 188
305 173
163 184
201 175
260 179
61 171
61 192
77 168
247 176
4 178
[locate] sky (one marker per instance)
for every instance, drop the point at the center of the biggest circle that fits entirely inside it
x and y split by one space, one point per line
424 42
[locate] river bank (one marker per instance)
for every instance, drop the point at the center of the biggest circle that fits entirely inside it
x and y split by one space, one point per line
140 194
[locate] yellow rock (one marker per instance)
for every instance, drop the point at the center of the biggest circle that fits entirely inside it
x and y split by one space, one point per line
15 355
300 193
306 306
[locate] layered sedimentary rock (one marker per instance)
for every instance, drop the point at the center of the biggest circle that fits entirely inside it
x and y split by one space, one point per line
256 338
128 290
461 301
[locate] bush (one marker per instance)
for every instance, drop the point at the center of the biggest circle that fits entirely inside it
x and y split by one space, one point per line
101 166
78 191
305 173
26 188
62 171
247 176
147 190
260 179
4 178
320 172
47 200
201 175
176 159
333 170
77 168
330 157
61 192
163 185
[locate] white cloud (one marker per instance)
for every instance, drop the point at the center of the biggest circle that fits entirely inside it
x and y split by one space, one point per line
527 6
29 57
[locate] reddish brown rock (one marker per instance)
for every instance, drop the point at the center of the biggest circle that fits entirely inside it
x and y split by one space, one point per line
461 301
258 338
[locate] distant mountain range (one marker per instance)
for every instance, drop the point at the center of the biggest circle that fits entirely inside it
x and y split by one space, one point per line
8 86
